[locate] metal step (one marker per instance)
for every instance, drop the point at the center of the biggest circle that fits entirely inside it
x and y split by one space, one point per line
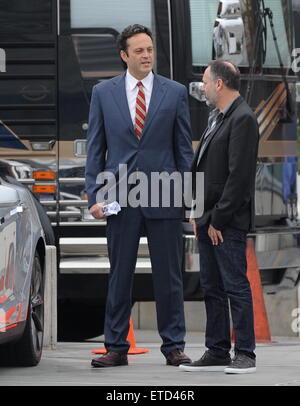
65 214
93 246
93 223
89 255
62 181
98 265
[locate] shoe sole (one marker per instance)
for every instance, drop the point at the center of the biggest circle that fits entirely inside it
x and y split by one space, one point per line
213 368
240 370
178 364
99 365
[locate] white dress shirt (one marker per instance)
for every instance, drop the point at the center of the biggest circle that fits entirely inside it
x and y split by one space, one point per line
132 91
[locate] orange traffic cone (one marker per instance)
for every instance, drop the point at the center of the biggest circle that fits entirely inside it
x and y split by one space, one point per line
261 324
131 338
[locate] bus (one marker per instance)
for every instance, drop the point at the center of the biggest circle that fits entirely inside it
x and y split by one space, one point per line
52 54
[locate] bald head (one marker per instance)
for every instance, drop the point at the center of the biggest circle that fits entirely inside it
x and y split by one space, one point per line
221 83
227 72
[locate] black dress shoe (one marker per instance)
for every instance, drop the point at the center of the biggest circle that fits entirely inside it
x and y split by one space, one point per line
177 357
111 359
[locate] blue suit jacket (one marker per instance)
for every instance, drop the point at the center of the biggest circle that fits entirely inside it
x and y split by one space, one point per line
164 146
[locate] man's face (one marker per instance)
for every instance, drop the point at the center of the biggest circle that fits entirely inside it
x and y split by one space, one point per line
210 88
139 56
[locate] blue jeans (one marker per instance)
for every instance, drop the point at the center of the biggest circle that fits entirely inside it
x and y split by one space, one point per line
224 282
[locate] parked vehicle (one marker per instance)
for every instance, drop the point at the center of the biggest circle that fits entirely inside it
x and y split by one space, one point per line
22 276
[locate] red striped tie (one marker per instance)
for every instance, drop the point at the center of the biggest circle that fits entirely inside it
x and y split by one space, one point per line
140 111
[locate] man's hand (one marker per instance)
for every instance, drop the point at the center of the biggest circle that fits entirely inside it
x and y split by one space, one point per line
215 235
96 211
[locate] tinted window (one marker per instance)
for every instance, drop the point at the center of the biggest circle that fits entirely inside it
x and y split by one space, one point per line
25 16
97 55
116 14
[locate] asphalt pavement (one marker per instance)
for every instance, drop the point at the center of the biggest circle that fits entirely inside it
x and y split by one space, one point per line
278 363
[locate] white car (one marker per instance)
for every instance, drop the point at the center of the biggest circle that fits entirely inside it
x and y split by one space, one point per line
22 265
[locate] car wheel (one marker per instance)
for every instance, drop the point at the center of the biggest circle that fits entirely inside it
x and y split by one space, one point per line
27 351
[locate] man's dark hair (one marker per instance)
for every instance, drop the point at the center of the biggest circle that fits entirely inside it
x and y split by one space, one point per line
227 71
129 32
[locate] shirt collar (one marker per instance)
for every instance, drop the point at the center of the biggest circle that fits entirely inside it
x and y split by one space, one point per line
132 81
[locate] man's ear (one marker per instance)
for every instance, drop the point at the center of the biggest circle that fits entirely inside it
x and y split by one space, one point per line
220 84
124 56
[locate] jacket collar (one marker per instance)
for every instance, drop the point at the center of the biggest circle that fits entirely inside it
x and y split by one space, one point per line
236 102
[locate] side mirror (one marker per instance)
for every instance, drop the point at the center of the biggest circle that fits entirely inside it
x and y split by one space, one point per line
8 196
196 91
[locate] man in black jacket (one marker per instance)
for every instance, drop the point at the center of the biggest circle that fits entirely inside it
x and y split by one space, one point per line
227 155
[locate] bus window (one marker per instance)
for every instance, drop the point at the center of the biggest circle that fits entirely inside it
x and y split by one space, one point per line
203 16
281 35
95 29
91 49
222 24
116 14
26 17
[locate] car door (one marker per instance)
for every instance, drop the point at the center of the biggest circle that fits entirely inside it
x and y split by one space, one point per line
15 251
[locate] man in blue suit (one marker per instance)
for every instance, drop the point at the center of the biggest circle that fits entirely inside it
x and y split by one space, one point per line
141 120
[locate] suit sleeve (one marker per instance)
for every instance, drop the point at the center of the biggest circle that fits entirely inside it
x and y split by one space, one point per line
96 148
182 134
242 155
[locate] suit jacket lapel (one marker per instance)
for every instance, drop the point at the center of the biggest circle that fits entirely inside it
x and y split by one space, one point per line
119 94
197 151
197 158
209 138
158 92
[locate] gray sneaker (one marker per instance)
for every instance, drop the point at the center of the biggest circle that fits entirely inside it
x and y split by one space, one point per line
241 364
208 362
